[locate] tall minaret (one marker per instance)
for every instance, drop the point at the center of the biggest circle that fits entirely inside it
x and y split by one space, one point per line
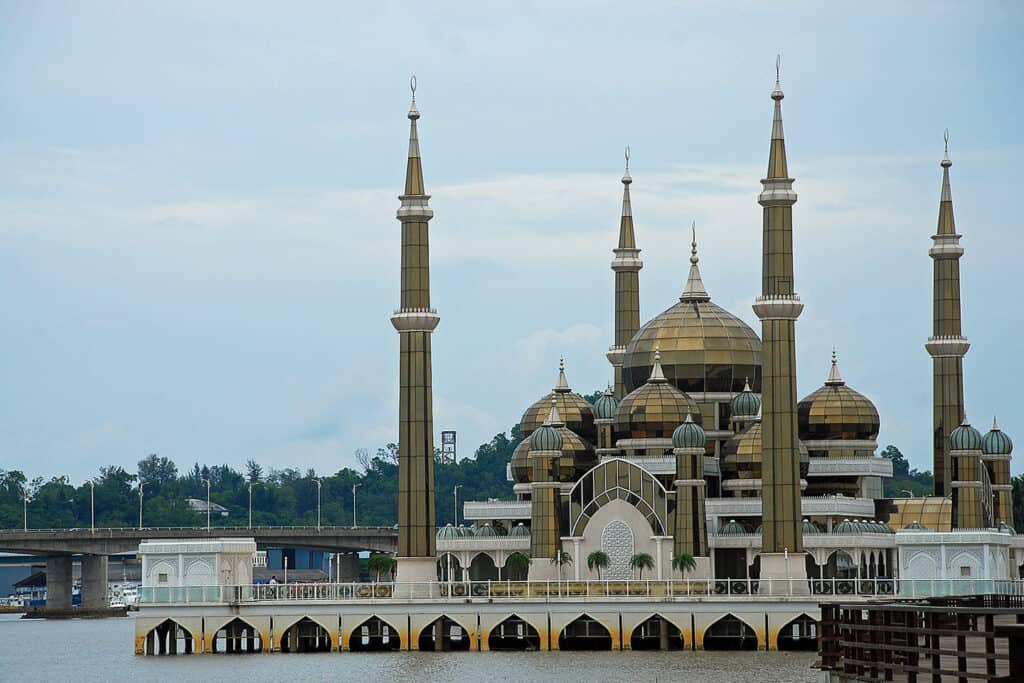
626 266
778 307
947 346
415 321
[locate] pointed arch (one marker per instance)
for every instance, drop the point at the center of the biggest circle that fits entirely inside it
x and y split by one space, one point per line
618 479
730 633
374 635
585 633
513 633
800 633
445 634
169 637
304 634
236 635
657 632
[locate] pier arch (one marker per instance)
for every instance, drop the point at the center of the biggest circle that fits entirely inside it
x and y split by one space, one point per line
483 568
730 633
374 635
513 633
445 634
799 634
585 633
657 633
303 634
169 637
236 636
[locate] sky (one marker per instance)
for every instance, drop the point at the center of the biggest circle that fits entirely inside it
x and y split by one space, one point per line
198 247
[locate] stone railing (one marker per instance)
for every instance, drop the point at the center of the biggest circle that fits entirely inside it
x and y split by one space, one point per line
511 543
497 509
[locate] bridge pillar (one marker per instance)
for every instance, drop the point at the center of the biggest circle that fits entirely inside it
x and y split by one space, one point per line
348 567
58 582
94 582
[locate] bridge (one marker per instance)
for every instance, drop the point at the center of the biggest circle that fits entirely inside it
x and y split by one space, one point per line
95 545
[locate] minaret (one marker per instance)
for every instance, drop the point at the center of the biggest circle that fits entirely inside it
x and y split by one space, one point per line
690 523
545 496
626 265
778 307
415 321
947 346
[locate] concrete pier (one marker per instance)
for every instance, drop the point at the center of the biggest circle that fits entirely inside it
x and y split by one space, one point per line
59 582
94 581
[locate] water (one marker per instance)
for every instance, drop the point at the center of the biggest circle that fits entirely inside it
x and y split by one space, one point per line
77 651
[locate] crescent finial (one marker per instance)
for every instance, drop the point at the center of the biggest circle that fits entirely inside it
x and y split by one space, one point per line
778 63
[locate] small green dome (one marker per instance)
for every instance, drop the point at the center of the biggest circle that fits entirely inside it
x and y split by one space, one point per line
916 526
965 438
732 528
745 403
485 530
519 531
845 527
605 406
447 532
996 442
464 530
1003 526
689 435
810 527
546 438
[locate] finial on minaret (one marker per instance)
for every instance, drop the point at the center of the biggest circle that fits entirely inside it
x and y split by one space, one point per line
413 113
746 384
946 163
626 178
777 93
995 425
694 289
562 385
657 375
834 378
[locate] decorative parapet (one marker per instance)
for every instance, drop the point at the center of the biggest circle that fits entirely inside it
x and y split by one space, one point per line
947 346
499 509
511 543
843 506
415 319
778 307
615 355
414 208
851 467
867 445
777 192
665 465
946 246
825 541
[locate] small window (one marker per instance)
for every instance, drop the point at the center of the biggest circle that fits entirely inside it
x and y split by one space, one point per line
161 578
965 571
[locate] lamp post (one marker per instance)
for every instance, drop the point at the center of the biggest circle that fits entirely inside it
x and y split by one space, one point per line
92 505
251 484
24 495
142 484
207 503
354 487
319 484
457 487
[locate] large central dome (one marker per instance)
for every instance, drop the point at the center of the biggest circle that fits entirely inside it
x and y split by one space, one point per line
704 348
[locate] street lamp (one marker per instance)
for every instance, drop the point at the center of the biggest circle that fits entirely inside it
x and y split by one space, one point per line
251 484
207 503
92 505
24 495
457 487
318 486
354 487
142 484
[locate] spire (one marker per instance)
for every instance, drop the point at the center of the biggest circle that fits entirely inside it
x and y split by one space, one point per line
562 385
656 372
995 425
946 224
553 418
777 167
414 169
608 390
746 384
627 240
694 290
834 378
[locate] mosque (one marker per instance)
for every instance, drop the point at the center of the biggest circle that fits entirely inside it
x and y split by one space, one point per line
703 447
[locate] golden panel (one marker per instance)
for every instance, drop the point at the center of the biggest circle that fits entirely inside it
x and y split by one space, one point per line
703 348
933 512
742 459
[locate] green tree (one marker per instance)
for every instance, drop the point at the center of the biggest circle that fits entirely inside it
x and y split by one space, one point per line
381 564
560 559
641 561
518 566
597 560
684 562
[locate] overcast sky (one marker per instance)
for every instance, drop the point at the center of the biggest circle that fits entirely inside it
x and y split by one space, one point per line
199 255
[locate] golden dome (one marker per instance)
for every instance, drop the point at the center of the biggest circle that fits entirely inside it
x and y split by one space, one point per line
577 457
577 414
521 463
704 348
655 409
741 455
835 411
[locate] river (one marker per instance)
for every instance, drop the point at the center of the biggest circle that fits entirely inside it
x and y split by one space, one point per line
76 651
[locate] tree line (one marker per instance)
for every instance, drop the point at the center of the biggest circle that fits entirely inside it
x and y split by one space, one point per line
280 497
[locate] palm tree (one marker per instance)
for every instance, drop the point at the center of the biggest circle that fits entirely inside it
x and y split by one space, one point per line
518 564
561 559
597 560
381 564
684 562
641 561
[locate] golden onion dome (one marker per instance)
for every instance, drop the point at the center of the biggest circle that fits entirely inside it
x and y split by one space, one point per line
655 409
521 463
577 455
577 414
704 348
837 412
741 455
